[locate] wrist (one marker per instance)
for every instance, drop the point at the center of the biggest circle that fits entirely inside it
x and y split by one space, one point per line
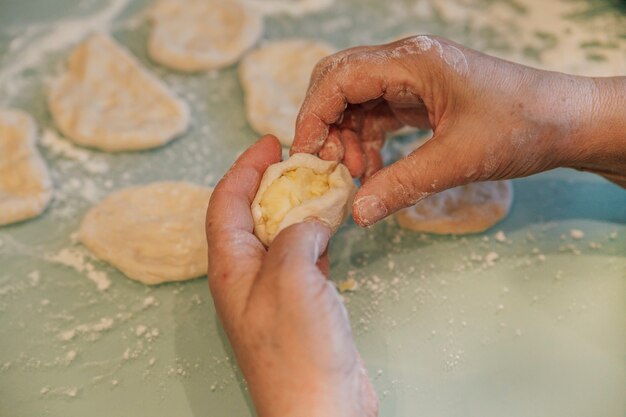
312 398
599 144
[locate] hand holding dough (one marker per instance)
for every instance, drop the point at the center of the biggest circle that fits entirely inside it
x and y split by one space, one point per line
301 187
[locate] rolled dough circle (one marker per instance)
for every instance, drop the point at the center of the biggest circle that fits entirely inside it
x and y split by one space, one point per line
199 35
107 100
25 185
152 233
471 208
275 78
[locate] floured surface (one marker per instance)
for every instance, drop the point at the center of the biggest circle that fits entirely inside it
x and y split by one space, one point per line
471 208
513 322
25 185
197 35
292 7
106 100
275 78
152 233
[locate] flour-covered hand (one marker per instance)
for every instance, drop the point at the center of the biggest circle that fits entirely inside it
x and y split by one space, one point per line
491 119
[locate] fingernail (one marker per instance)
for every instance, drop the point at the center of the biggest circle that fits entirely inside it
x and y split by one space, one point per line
370 209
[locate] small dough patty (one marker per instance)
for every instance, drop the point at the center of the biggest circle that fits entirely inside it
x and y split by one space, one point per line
275 78
152 233
471 208
199 35
25 185
107 100
299 188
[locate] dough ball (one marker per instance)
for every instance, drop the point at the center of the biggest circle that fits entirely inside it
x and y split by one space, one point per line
152 233
198 35
471 208
301 187
275 78
106 100
25 185
292 7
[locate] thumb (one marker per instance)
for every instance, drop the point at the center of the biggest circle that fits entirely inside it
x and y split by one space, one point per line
432 168
295 253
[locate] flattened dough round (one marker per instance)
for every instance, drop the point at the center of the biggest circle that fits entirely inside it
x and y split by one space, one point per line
197 35
299 188
471 208
292 7
275 78
107 100
152 233
25 186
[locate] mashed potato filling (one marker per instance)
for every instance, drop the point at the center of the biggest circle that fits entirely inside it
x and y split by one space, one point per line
290 190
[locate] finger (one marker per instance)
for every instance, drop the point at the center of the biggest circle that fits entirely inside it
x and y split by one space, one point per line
355 78
323 264
432 168
235 254
354 157
377 122
352 118
333 149
293 256
373 159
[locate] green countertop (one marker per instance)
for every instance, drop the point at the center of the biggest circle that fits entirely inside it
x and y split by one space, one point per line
539 332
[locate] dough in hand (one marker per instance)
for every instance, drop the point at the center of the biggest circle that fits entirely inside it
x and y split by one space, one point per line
299 188
275 78
152 233
198 35
292 7
471 208
25 186
106 100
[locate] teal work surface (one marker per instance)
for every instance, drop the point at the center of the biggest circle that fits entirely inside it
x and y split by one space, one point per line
537 328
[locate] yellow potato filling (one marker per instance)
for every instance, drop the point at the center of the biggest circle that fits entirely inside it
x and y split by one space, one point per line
290 190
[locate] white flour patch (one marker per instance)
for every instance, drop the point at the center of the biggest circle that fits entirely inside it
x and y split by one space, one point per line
33 46
77 260
62 147
455 58
292 7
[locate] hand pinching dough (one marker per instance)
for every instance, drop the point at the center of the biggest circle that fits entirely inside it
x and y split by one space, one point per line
471 208
152 233
25 186
197 35
106 100
301 187
275 78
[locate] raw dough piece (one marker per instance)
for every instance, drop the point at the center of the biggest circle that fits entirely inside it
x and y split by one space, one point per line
25 186
292 7
106 100
471 208
152 233
197 35
301 187
275 78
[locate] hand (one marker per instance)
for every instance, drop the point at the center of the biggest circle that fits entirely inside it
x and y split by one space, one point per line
492 119
284 319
